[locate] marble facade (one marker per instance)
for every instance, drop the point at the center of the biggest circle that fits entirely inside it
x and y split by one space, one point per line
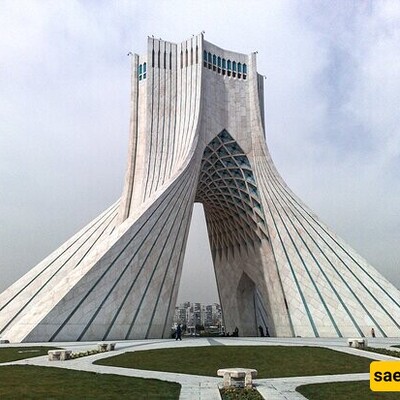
197 133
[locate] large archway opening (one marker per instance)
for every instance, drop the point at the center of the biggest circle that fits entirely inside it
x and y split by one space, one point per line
218 255
198 304
198 282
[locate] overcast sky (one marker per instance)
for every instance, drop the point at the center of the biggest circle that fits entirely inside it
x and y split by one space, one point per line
332 115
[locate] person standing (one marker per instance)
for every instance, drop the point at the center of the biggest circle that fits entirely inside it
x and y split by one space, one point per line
261 329
372 332
178 333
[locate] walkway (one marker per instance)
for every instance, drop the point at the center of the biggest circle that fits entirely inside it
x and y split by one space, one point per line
206 388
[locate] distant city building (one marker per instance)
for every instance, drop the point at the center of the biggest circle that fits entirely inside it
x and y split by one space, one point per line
180 315
191 315
213 315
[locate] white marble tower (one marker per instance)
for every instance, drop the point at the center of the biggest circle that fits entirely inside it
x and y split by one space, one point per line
197 134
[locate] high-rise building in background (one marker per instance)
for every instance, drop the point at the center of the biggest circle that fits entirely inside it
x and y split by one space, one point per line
192 315
197 133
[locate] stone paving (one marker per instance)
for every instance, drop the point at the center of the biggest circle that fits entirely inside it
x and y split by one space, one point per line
196 387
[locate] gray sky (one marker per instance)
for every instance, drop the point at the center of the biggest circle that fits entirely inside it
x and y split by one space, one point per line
332 115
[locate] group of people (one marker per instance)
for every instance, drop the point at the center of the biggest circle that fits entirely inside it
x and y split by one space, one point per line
234 334
261 330
178 332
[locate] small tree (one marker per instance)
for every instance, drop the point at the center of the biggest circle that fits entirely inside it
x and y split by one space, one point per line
199 328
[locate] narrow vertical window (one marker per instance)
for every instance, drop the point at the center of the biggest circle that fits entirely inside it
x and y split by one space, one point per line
144 68
191 56
165 59
197 54
140 69
214 59
187 57
234 66
209 58
204 55
152 58
170 60
239 67
223 66
244 69
158 59
181 59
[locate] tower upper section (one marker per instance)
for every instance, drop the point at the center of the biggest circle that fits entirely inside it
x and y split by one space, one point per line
182 96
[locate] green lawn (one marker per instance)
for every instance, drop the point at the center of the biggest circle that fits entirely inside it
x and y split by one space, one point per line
19 353
270 361
392 353
344 391
31 382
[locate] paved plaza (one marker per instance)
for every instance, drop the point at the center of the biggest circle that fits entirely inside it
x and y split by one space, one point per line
206 388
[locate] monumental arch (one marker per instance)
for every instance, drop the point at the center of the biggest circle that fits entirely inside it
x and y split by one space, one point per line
197 133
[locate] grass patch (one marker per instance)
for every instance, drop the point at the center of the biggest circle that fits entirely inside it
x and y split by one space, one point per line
19 353
270 361
386 352
31 382
240 394
344 391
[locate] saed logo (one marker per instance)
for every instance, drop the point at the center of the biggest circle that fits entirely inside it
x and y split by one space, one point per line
384 376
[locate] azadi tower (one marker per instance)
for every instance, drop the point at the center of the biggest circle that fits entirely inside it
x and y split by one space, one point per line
197 134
